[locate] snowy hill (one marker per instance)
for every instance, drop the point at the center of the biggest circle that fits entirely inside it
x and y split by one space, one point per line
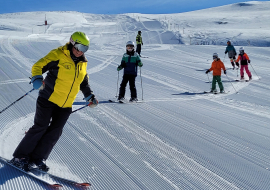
178 138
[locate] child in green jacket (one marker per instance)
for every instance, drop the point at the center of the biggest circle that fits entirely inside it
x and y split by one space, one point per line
130 62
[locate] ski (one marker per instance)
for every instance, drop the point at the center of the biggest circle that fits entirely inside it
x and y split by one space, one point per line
237 80
124 102
43 178
216 92
78 184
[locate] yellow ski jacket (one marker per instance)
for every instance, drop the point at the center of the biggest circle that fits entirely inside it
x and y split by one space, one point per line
64 78
139 39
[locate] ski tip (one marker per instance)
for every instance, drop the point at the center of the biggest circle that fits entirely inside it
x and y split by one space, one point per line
83 184
57 185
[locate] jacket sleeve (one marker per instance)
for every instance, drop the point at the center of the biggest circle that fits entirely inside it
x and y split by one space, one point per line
223 66
44 64
246 56
138 60
238 58
123 62
211 69
226 51
85 87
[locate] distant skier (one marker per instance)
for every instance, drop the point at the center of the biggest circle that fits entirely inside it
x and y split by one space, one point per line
244 61
231 53
216 67
139 43
67 67
130 62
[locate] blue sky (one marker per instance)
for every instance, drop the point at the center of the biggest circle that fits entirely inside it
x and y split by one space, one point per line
111 6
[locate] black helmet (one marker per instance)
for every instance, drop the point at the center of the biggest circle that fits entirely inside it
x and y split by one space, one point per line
139 32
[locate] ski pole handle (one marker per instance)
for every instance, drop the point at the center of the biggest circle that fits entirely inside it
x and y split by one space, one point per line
17 100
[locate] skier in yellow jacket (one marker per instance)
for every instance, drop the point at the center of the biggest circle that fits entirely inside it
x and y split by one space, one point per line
139 43
66 69
216 67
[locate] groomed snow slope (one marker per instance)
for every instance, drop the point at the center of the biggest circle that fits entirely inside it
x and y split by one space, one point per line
179 138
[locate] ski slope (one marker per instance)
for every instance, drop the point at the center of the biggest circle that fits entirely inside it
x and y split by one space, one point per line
178 138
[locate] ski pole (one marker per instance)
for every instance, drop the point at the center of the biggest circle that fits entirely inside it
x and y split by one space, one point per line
224 58
17 100
141 81
254 71
231 82
117 86
209 82
81 108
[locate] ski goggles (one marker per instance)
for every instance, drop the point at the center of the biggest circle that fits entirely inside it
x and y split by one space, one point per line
80 47
215 57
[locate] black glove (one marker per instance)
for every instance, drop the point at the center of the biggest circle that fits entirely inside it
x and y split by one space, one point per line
225 72
119 68
207 71
248 61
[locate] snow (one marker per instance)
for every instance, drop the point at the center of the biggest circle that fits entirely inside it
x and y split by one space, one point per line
178 138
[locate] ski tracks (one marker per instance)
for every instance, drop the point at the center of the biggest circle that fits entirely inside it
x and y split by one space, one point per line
165 160
103 65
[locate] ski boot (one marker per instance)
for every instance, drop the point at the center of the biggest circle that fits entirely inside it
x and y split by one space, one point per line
41 165
120 99
132 99
233 65
250 77
22 163
213 91
222 91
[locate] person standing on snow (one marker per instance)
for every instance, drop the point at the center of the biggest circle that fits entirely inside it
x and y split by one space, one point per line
67 74
216 67
244 61
130 63
231 53
139 43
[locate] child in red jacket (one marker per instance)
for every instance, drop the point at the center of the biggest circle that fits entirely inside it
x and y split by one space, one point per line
216 67
244 61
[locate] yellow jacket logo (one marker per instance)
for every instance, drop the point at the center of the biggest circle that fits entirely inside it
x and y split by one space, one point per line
67 67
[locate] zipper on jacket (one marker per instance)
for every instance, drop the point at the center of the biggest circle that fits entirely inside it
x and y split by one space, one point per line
78 71
71 86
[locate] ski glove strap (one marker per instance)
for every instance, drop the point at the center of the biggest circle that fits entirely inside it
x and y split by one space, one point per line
37 82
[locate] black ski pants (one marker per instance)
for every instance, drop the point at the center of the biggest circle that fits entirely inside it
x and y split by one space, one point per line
131 79
139 48
42 136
